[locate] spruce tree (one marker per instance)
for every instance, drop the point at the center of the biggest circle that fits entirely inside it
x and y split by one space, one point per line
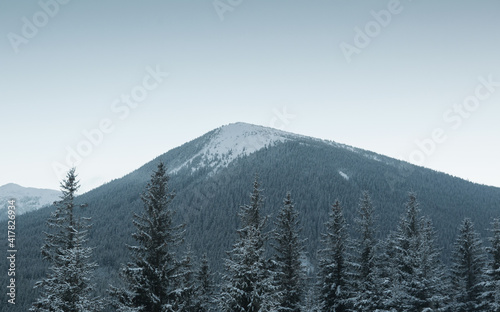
68 285
408 240
366 285
387 274
247 283
311 299
289 248
492 286
152 279
204 287
334 262
186 288
431 272
415 274
468 271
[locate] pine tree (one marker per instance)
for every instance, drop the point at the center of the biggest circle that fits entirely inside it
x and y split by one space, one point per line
334 260
247 283
151 280
431 272
289 248
408 242
387 274
492 286
205 287
67 286
186 289
366 284
415 275
468 271
310 300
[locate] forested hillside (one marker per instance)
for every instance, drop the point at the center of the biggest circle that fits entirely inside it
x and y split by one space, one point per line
208 201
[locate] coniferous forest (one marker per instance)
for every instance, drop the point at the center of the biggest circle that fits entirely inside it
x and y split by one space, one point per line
266 268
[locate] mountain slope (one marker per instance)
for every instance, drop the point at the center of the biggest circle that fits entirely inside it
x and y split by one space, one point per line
228 143
213 174
27 198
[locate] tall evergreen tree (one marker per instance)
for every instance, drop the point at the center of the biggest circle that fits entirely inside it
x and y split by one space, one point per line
366 286
151 280
492 294
416 279
311 299
68 285
468 271
205 287
247 283
408 240
289 248
334 261
431 272
387 274
186 285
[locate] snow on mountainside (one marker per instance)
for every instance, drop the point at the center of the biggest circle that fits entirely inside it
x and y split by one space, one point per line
27 198
232 141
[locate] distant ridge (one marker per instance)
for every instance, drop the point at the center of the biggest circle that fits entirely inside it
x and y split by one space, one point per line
27 198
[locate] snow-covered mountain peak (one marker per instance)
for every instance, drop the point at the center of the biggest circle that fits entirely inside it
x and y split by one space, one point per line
218 148
243 139
229 142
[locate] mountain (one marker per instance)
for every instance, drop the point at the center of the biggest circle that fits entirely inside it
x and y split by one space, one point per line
226 144
27 198
212 176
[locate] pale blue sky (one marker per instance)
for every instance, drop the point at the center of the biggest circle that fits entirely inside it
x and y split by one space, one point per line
263 57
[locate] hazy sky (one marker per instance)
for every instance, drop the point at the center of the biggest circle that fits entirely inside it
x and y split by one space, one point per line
122 82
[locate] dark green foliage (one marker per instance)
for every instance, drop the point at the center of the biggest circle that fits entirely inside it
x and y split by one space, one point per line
152 277
366 286
416 275
335 274
205 288
407 252
247 283
492 285
290 275
468 271
68 286
186 297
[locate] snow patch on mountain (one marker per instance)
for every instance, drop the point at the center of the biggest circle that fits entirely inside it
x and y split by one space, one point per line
233 141
227 143
345 176
26 198
372 156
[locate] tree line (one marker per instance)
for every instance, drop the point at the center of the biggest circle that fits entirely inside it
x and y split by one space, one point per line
265 269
